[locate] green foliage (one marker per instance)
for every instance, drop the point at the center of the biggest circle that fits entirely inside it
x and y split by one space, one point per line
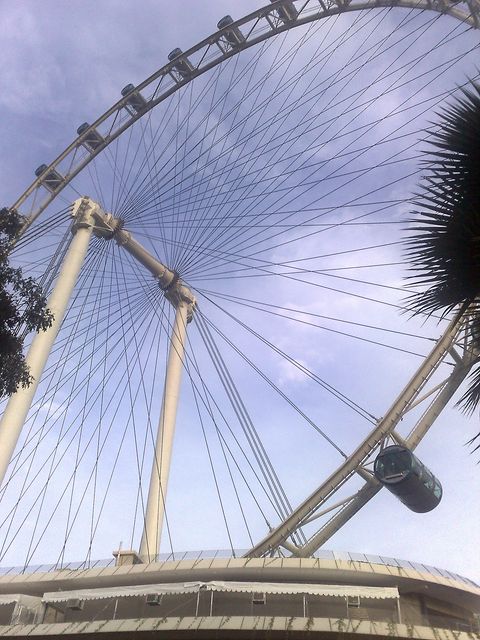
444 250
22 308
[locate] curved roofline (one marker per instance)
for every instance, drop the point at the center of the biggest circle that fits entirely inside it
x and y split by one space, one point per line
311 570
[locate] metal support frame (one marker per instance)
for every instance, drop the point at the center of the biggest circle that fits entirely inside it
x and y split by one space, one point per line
86 221
257 27
183 300
385 427
155 511
90 218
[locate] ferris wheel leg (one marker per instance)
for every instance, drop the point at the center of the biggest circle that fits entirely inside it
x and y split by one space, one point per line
19 403
155 510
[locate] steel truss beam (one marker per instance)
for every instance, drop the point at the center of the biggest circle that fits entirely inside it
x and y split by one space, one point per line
256 27
385 427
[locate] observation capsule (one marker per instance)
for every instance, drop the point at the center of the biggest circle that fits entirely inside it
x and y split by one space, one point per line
405 476
287 11
50 179
135 101
182 65
233 35
93 139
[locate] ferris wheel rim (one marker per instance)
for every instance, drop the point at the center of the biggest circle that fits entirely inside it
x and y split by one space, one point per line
453 11
331 8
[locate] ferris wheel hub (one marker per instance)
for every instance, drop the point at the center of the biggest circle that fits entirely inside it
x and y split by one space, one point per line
88 213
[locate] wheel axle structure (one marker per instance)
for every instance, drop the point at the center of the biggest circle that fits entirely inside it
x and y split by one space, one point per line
88 219
167 221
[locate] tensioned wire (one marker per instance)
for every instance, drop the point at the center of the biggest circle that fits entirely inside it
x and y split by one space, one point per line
132 205
257 242
262 271
209 400
44 401
182 243
260 303
258 307
283 109
234 147
125 212
260 83
161 130
308 420
27 476
282 505
93 327
226 181
351 404
52 425
151 150
264 265
212 468
22 489
204 397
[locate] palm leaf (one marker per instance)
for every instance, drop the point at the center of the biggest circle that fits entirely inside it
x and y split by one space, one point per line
444 248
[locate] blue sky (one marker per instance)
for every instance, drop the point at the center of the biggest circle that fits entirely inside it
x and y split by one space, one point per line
65 64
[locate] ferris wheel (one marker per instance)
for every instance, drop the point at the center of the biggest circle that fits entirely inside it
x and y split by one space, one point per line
222 250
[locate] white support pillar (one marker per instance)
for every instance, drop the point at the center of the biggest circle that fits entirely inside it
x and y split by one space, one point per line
19 403
155 511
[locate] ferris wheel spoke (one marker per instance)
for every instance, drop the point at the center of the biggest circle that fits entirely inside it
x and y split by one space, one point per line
283 171
259 307
383 429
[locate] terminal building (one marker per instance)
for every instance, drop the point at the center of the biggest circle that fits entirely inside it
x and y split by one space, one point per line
334 595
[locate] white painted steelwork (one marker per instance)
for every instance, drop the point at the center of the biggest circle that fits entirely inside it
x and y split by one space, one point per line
86 220
155 511
256 27
360 456
90 218
183 301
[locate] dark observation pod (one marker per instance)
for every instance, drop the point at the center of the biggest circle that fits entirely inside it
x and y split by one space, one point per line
181 64
92 139
50 179
405 476
135 101
286 11
233 35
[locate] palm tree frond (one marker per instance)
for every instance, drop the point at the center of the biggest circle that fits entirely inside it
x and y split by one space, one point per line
443 248
444 251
